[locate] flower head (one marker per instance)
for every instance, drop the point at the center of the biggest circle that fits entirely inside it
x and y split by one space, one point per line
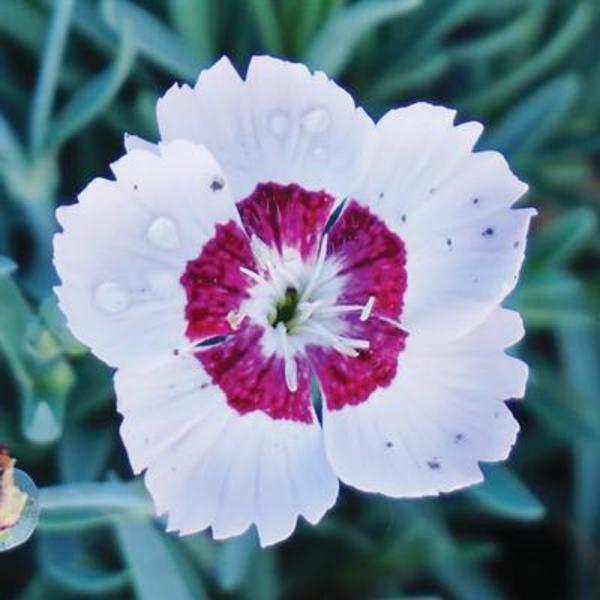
277 239
12 499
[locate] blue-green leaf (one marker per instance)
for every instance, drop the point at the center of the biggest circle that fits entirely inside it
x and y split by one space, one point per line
84 450
95 96
579 21
155 573
533 120
45 89
64 560
76 505
263 14
55 321
550 298
11 152
504 494
559 406
332 47
233 560
194 20
153 39
563 239
21 22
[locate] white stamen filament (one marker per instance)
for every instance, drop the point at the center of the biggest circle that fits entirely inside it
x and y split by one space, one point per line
302 312
343 345
258 278
316 273
329 308
290 365
262 253
392 322
305 310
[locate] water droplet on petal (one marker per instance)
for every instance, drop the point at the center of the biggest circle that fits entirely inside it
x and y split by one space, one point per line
316 120
163 233
279 124
111 297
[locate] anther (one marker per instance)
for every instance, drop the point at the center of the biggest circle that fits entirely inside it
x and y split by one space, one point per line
235 319
368 308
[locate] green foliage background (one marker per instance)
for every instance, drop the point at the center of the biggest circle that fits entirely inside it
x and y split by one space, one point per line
76 74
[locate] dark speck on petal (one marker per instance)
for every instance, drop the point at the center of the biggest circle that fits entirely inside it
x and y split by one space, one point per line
217 184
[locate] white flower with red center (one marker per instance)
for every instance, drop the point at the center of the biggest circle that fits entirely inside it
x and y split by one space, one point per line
277 239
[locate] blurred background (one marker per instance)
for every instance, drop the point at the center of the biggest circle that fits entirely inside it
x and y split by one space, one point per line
76 74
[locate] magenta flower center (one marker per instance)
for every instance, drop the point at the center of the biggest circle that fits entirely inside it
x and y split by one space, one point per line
296 299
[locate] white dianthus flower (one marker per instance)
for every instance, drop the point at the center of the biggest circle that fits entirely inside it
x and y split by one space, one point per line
218 276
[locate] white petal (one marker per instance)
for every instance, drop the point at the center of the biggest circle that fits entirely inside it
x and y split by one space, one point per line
282 124
133 142
443 413
209 466
125 245
451 207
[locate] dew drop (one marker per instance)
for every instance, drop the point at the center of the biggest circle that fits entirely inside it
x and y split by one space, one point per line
163 233
111 297
279 124
316 120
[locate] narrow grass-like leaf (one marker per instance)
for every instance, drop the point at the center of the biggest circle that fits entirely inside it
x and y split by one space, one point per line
576 26
262 12
83 451
152 563
110 495
563 239
76 506
332 47
580 356
11 152
194 19
233 560
551 298
95 96
263 582
559 406
21 22
409 78
504 494
56 322
443 21
531 122
45 89
466 582
64 560
154 40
